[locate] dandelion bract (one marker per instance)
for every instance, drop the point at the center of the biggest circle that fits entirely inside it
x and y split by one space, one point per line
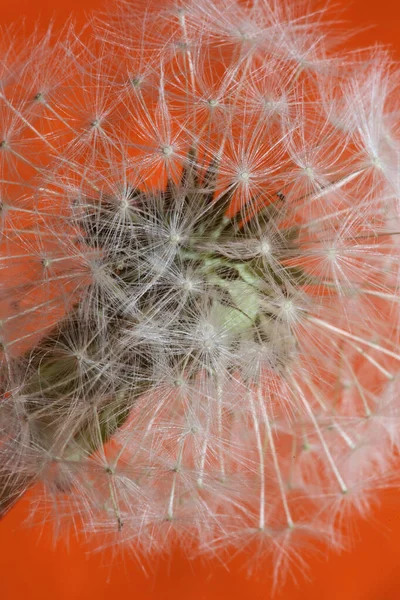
199 261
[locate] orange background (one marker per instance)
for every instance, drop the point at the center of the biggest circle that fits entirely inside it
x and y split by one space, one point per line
31 568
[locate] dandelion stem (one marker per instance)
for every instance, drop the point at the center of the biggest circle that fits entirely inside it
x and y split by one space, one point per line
324 444
261 468
356 338
272 446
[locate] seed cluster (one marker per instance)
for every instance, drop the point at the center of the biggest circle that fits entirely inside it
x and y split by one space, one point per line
199 276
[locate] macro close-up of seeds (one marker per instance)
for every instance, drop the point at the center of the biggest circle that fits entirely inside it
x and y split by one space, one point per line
199 276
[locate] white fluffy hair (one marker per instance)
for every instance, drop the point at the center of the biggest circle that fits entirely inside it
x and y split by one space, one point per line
199 275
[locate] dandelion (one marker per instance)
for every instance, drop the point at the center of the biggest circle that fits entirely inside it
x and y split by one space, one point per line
200 269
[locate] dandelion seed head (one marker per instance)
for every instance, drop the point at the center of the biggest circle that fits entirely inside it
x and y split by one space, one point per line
244 176
265 248
39 97
167 150
136 82
212 102
199 277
